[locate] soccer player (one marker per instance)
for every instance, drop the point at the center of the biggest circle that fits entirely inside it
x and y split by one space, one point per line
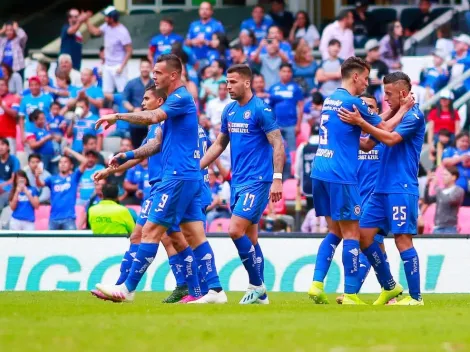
250 127
393 207
177 199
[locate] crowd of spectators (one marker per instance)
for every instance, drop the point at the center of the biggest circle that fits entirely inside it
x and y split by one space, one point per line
54 116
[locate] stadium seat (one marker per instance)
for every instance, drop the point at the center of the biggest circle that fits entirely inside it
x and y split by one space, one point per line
219 225
135 207
289 189
304 133
81 215
19 142
428 218
41 224
141 11
23 158
439 11
43 212
383 16
464 220
408 15
111 144
292 162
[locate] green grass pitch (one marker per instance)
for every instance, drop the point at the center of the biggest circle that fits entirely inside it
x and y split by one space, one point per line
64 321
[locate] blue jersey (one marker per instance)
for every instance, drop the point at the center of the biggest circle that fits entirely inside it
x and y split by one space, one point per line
369 163
180 137
162 43
464 171
83 127
155 161
63 195
29 103
87 185
285 47
260 30
54 123
134 175
144 184
36 133
64 100
398 172
284 99
432 78
197 29
251 153
336 158
94 92
24 210
204 144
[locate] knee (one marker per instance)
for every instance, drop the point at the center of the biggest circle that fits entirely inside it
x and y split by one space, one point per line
151 233
403 242
178 241
136 236
235 232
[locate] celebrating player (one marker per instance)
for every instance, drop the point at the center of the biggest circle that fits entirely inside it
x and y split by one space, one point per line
177 199
393 207
250 127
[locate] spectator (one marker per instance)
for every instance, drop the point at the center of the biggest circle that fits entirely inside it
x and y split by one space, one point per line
86 185
422 19
363 23
65 66
84 124
95 199
12 45
98 70
133 95
64 93
108 217
391 46
341 31
162 42
9 104
215 107
247 40
90 142
23 200
435 78
219 48
313 223
287 101
237 55
35 163
329 73
144 187
117 51
460 63
132 179
281 18
45 82
187 58
275 32
444 42
39 140
378 69
71 39
313 108
63 189
258 23
219 208
200 31
460 157
448 201
271 61
15 82
436 151
304 68
210 87
303 28
57 126
259 88
89 90
9 164
443 116
190 86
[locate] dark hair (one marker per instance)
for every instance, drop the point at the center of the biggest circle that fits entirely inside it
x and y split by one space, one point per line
352 64
144 59
34 156
461 135
223 43
237 47
221 64
398 77
87 138
396 45
343 14
177 49
368 96
110 191
19 173
334 42
45 64
285 64
55 103
102 48
85 100
252 35
172 61
69 158
3 140
35 115
444 132
167 20
317 98
453 171
241 69
445 30
157 92
280 2
64 76
258 5
452 112
307 19
8 68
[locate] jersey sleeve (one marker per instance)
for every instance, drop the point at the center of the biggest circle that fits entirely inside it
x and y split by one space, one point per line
407 128
175 105
16 164
48 181
368 115
448 153
130 175
77 174
22 108
266 119
190 34
125 37
298 95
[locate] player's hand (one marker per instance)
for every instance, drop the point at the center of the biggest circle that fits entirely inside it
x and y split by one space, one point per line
107 121
351 117
276 191
407 102
115 161
101 175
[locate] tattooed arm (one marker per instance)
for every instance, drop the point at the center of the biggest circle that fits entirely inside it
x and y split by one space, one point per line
147 117
279 157
215 150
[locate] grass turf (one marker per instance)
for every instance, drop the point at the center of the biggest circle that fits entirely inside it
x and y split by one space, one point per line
63 321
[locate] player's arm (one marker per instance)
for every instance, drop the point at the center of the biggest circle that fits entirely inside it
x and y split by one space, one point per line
367 144
215 150
147 117
279 157
392 119
105 173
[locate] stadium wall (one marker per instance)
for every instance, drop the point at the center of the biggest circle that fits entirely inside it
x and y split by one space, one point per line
78 262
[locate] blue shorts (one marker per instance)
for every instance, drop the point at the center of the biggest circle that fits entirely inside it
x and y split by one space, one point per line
337 200
175 202
250 201
396 213
379 238
146 206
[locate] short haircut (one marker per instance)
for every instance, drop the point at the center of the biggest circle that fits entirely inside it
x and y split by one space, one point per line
144 59
87 138
461 135
84 100
398 77
56 103
34 156
317 98
334 42
64 57
45 64
64 76
110 191
453 171
352 64
35 114
237 47
157 92
4 141
221 64
285 64
102 48
69 158
368 96
172 61
167 20
258 6
444 132
241 69
343 14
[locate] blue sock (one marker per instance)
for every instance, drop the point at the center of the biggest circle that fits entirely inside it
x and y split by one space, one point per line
325 255
247 254
127 262
202 281
144 257
380 265
411 264
176 266
351 265
206 263
260 265
364 268
388 266
190 271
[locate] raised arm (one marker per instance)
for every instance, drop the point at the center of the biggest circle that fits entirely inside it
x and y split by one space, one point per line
215 150
147 117
279 157
80 157
94 31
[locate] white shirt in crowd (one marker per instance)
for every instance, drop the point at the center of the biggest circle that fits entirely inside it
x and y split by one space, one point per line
115 39
345 37
214 109
310 35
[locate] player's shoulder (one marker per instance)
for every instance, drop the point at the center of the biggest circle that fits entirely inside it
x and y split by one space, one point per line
415 114
229 107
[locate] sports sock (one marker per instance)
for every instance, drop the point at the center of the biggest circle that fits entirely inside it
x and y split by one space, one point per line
325 255
126 262
260 265
176 266
380 265
247 254
190 272
364 268
143 258
351 265
206 264
411 264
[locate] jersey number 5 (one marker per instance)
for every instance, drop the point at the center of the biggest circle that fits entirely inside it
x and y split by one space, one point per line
324 136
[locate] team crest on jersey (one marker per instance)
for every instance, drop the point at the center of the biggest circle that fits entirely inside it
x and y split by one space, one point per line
290 87
357 210
247 115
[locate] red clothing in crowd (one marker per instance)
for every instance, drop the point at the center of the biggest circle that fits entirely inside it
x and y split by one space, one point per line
8 123
444 120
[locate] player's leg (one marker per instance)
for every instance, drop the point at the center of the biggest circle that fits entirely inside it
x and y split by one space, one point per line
252 233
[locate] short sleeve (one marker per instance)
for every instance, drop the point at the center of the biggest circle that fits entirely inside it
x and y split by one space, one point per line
103 28
77 174
190 31
130 176
34 191
456 115
298 95
367 114
448 153
175 105
97 93
125 37
432 115
224 126
408 127
48 181
16 164
22 108
244 25
266 119
127 94
220 27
